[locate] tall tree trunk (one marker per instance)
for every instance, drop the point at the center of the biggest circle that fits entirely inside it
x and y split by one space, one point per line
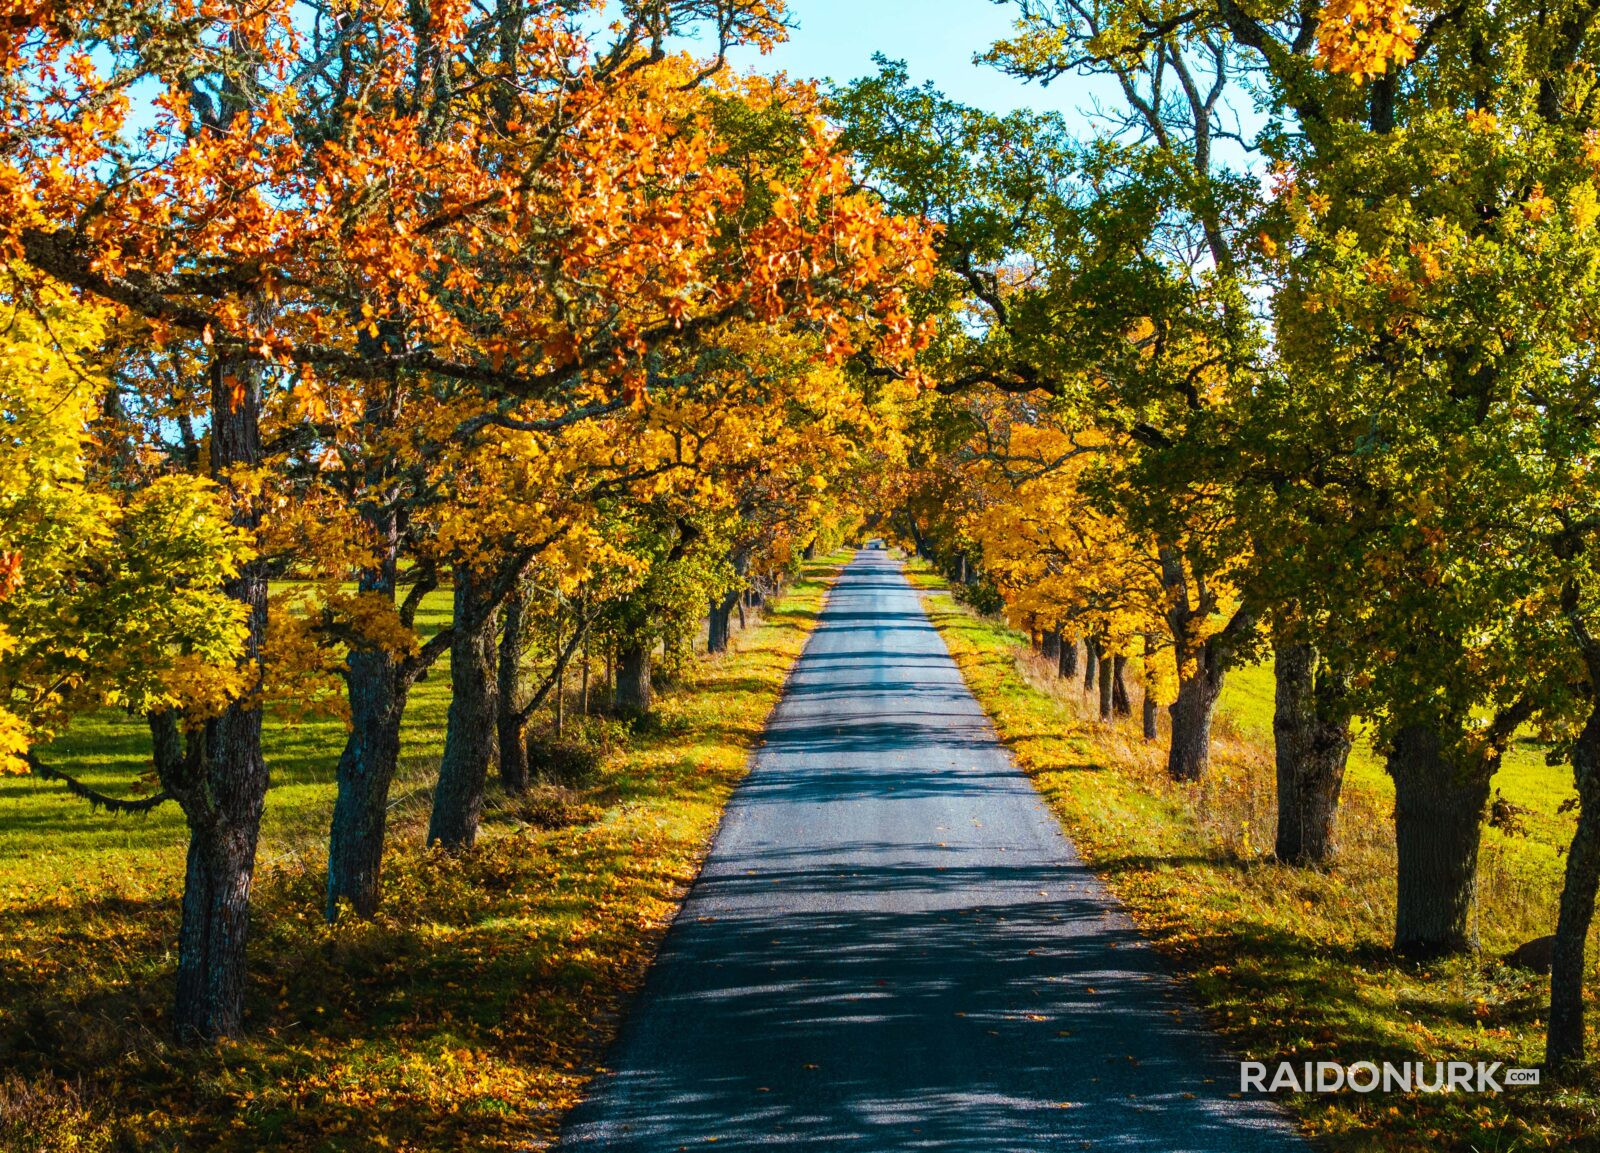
214 927
1050 647
1091 665
1151 731
1106 667
1067 662
561 687
634 694
583 685
1438 810
1564 1042
1202 660
1121 704
720 627
470 725
1311 741
917 539
378 688
511 731
224 808
1190 751
378 683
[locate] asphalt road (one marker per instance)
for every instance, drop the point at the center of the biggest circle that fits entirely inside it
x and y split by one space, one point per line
892 945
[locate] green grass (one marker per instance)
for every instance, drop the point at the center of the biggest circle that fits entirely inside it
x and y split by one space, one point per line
1521 869
1294 964
1525 778
50 840
468 1015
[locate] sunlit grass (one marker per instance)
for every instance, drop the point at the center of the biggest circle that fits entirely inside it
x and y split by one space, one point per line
50 839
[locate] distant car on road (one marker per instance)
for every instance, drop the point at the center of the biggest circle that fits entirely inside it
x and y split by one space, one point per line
876 542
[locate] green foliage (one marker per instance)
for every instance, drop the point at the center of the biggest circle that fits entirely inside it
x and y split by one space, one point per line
108 596
1434 340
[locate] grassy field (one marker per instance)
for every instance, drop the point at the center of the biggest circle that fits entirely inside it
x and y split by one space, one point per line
468 1015
1521 868
1292 964
51 842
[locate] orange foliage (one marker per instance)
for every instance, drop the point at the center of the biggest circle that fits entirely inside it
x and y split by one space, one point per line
510 236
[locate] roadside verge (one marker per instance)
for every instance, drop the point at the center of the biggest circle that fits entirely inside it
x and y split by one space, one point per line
467 1015
1290 965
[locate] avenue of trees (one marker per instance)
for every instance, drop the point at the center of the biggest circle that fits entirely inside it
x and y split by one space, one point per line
315 309
1293 357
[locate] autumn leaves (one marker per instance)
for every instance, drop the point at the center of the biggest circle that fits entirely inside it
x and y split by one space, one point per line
409 298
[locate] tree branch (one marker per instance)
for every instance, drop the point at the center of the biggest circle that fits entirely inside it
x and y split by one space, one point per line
95 798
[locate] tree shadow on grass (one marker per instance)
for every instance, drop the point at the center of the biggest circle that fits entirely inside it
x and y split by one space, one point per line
428 1025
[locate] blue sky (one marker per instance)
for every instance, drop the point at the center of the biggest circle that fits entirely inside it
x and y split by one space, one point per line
835 39
936 38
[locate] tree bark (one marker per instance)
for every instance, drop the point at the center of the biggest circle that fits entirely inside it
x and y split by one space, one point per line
1202 662
634 694
917 539
1190 751
1564 1041
1067 662
1438 811
583 687
470 725
224 791
1106 694
1121 704
1311 742
378 683
511 731
378 688
1050 647
720 627
1151 731
1091 665
561 688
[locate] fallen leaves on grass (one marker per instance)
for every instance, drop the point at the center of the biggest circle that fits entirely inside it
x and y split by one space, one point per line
468 1015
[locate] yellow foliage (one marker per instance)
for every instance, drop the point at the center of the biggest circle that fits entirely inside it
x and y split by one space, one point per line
13 744
1365 38
1583 207
1060 562
108 594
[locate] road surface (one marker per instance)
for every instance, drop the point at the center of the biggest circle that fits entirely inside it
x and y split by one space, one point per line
892 945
